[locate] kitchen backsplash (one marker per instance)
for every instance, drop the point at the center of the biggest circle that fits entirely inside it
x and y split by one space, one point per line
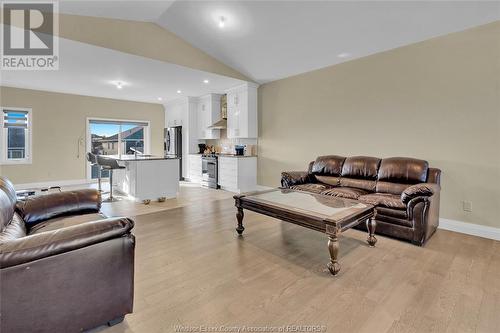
226 145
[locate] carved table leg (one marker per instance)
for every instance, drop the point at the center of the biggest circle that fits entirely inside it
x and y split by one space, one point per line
333 247
371 224
239 217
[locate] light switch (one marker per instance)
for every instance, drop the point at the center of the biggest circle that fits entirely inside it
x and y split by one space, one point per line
467 206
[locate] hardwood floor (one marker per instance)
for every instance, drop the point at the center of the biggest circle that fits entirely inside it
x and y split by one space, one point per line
193 270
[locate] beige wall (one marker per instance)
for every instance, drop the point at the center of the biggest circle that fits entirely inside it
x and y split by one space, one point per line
59 121
142 39
437 100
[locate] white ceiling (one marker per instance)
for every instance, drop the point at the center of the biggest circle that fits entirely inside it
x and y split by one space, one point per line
89 70
269 40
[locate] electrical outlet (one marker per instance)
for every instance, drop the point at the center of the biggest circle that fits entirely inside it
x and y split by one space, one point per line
467 206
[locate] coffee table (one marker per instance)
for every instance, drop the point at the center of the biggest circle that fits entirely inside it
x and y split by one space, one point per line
330 215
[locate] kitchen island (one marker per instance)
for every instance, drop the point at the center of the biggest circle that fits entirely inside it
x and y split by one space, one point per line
147 177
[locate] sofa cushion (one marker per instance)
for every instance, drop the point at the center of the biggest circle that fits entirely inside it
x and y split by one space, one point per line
329 180
403 170
345 192
45 207
64 222
330 165
364 184
361 167
311 187
383 199
392 188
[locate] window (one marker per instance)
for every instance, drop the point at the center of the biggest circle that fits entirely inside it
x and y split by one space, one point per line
116 137
15 136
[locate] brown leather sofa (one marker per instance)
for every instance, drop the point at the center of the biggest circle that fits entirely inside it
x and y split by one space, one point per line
404 191
64 267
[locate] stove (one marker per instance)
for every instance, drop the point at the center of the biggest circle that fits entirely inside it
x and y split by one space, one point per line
209 171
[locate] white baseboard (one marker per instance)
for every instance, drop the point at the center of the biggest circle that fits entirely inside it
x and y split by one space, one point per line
470 228
53 183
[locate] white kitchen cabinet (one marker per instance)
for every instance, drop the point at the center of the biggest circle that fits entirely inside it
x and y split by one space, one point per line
194 173
238 174
208 113
242 111
174 114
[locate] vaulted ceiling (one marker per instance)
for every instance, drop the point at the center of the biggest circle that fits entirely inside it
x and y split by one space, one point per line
270 40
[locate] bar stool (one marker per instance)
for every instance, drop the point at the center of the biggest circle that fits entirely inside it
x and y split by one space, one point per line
109 164
92 158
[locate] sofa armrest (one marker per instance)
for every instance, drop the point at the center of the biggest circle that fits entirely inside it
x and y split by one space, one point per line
45 207
419 190
291 178
45 244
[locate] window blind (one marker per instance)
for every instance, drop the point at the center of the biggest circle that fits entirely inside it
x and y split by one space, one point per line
15 119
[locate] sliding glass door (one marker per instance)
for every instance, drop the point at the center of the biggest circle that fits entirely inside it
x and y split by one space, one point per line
116 137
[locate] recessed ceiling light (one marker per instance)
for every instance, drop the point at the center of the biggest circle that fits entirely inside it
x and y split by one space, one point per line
222 22
178 91
118 84
344 55
160 99
206 81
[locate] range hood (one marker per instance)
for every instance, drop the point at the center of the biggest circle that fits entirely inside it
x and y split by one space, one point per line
222 123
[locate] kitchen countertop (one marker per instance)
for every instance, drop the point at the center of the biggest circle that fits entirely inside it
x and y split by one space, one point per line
234 155
140 157
229 155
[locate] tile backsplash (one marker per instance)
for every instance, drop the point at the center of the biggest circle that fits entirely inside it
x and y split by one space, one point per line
226 145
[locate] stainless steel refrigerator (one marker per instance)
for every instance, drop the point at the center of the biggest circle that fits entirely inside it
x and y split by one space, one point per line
173 145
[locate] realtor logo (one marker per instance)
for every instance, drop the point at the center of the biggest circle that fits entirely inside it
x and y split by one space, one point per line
29 36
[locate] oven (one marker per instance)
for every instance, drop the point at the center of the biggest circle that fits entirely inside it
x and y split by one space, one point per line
209 171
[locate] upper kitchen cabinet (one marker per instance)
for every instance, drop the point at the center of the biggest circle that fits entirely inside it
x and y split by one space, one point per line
174 113
242 111
209 112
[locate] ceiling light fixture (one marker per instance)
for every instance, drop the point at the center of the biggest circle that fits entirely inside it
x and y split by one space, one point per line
119 85
160 99
206 81
344 55
222 22
178 91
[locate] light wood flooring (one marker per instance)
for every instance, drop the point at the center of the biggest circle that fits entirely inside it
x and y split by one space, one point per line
193 270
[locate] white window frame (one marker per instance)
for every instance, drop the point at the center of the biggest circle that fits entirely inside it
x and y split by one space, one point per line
88 143
28 159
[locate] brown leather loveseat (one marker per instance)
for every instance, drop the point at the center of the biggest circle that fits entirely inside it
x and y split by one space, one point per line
404 191
64 267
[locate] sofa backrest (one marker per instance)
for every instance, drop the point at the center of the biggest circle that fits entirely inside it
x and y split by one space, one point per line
7 202
327 169
397 173
434 176
388 175
360 172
